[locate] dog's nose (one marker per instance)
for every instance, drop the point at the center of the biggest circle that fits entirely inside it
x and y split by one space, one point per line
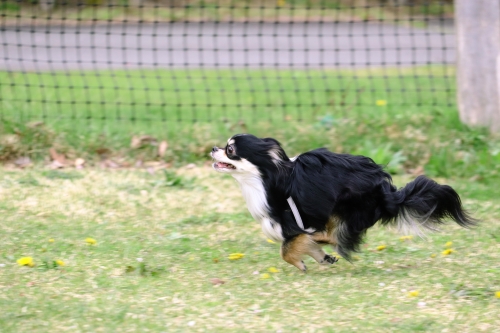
214 149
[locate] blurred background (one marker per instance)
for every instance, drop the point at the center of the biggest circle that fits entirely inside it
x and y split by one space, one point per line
375 77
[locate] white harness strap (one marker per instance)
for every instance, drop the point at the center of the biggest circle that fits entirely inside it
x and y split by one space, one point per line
295 212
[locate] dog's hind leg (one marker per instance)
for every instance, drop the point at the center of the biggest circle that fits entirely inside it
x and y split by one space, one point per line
324 237
317 252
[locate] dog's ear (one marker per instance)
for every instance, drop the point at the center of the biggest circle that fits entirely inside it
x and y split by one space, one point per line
275 150
272 141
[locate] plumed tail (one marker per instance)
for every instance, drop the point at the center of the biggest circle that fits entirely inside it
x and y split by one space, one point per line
424 204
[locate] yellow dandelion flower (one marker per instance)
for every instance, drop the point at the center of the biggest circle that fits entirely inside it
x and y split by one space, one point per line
381 102
447 252
497 294
270 241
404 238
51 240
265 276
433 255
26 261
448 244
60 263
413 293
236 256
90 241
381 247
273 270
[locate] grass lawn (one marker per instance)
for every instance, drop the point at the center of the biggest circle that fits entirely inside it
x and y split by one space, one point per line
155 98
160 243
163 241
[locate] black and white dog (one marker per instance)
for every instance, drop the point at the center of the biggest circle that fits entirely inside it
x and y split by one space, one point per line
320 197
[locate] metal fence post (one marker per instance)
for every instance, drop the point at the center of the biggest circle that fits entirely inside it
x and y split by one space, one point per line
478 62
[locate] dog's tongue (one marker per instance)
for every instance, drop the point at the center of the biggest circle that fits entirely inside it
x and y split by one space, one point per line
225 165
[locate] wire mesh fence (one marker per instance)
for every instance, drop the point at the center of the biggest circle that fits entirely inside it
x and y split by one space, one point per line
176 61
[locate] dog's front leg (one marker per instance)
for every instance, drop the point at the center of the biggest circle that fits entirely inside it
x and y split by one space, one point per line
293 250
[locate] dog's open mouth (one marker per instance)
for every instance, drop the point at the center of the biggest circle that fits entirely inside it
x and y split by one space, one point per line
222 165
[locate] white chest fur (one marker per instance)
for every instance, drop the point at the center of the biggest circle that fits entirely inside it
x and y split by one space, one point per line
255 196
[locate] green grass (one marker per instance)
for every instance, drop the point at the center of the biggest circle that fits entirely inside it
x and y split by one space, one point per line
184 223
173 96
183 233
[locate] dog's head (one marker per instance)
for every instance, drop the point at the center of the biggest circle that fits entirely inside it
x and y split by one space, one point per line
245 153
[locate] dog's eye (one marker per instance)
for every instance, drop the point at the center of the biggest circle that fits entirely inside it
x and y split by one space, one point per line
230 149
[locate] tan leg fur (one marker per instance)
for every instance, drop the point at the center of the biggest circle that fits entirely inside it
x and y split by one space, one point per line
293 251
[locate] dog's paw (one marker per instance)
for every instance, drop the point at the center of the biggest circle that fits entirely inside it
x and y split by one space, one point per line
304 267
330 259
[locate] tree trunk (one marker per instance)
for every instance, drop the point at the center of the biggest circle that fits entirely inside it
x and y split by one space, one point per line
478 62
